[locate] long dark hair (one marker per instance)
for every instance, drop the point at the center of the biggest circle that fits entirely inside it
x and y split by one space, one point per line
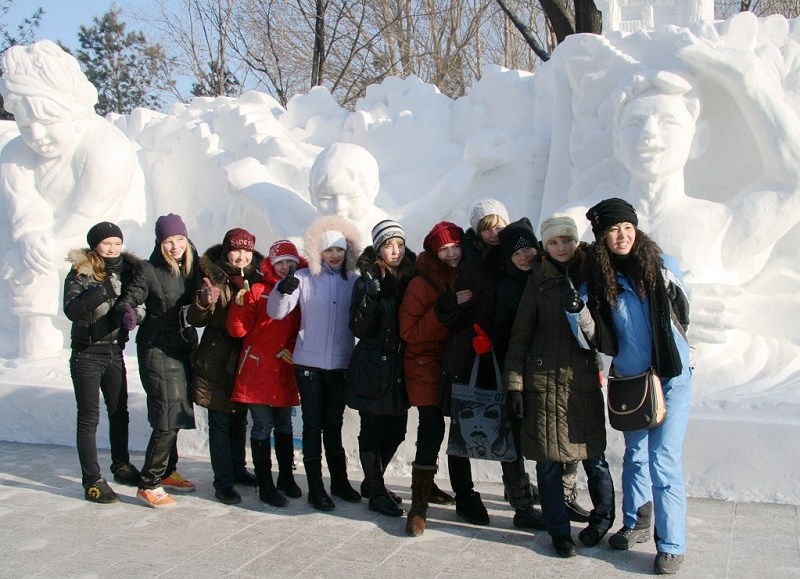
643 266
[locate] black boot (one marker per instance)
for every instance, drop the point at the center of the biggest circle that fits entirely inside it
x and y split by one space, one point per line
519 493
284 452
569 479
626 537
379 499
317 497
262 462
340 486
421 482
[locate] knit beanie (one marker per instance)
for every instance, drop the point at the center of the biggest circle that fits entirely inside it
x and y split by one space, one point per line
333 238
101 231
516 236
238 238
559 225
384 230
283 250
486 207
610 212
443 233
169 225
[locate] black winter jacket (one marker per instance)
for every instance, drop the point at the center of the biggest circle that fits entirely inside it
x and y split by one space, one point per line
89 304
375 382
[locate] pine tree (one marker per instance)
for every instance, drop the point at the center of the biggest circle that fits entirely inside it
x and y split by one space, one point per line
22 33
126 70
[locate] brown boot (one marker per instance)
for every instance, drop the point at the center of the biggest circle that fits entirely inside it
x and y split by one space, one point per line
421 482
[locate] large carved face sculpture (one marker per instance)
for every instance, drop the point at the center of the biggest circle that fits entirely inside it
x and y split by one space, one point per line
654 136
48 135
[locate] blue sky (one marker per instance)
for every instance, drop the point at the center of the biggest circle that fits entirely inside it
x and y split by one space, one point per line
62 17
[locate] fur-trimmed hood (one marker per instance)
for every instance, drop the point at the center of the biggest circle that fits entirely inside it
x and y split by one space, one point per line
82 266
216 268
313 239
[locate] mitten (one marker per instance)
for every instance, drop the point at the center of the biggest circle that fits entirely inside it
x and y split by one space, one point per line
481 342
129 317
372 285
570 298
288 284
243 296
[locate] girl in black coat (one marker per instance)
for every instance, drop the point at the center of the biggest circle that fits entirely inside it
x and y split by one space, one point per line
91 289
166 283
375 385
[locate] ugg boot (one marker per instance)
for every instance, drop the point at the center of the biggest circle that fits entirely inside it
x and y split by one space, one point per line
284 452
317 497
520 496
340 486
421 482
379 499
262 463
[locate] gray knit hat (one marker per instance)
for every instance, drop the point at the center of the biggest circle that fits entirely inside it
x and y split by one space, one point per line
486 207
559 225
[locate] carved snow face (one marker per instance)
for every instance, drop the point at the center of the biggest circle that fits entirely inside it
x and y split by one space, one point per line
332 198
50 136
654 136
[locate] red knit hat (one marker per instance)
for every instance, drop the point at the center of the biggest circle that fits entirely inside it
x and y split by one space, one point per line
443 233
282 250
238 238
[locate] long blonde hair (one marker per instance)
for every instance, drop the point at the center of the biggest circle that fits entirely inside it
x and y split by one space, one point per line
184 267
98 265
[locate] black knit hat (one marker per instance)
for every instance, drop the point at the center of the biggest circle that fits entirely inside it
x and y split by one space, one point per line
517 235
610 212
101 231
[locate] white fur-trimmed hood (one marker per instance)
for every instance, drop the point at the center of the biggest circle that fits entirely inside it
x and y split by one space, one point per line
312 239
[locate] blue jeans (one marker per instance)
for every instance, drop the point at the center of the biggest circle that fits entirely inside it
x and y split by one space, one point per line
266 417
93 373
322 401
227 433
551 493
652 469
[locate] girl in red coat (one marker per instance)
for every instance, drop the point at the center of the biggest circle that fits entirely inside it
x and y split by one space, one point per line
265 378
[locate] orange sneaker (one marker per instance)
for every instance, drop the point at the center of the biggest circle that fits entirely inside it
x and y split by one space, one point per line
175 482
156 498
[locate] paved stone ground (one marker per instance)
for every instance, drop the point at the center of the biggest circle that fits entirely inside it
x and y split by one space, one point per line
47 529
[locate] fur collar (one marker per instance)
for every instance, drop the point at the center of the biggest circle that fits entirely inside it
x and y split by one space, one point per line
313 239
81 264
217 269
435 271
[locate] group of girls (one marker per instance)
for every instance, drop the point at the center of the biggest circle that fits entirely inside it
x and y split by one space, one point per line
280 330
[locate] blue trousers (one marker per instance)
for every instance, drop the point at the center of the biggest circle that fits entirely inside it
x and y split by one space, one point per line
652 469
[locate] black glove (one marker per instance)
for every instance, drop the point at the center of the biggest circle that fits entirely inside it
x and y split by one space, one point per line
288 284
516 407
447 302
372 285
570 298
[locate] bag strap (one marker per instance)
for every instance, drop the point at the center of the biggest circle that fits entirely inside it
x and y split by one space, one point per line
473 377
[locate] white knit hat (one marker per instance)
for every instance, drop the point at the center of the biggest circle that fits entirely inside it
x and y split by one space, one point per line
559 225
333 238
486 207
